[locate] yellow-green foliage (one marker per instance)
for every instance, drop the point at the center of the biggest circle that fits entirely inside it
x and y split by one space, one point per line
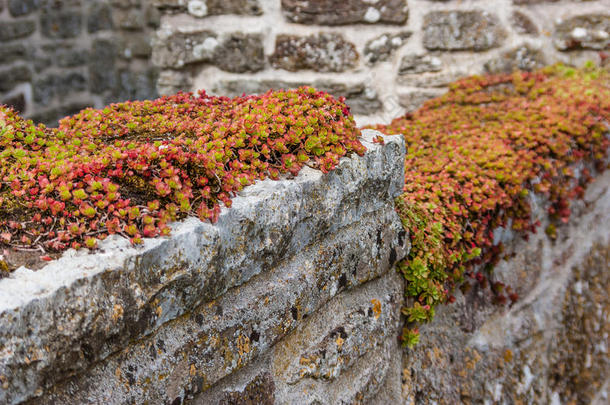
474 154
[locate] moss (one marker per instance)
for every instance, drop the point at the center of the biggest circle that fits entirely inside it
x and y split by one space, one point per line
473 156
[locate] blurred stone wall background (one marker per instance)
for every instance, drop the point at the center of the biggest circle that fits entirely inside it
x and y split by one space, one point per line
59 56
385 56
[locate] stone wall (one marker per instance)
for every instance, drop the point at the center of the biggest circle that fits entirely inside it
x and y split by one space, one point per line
294 285
59 56
385 56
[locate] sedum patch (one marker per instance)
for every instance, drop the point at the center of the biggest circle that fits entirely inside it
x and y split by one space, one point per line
132 168
474 155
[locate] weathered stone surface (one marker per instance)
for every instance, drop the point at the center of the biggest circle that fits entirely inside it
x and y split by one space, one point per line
102 72
132 19
416 98
550 346
66 57
240 53
11 52
17 102
342 353
60 24
16 29
330 12
14 75
173 81
136 46
297 236
591 31
381 48
58 85
205 8
523 24
521 58
472 30
23 7
134 85
360 98
235 52
99 17
419 63
324 52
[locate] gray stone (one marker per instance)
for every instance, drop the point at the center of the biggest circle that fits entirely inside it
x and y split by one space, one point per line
419 63
16 29
413 100
136 45
330 12
71 57
99 17
102 72
173 81
60 24
10 77
455 30
234 52
520 58
240 53
176 49
590 31
16 102
324 52
145 323
23 7
135 85
201 8
382 47
523 24
58 85
132 20
13 52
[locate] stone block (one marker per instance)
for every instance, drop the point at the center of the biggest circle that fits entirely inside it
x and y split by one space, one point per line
99 17
10 77
12 52
412 100
589 31
523 24
58 85
102 72
132 19
419 63
522 57
16 102
18 8
71 57
324 52
204 8
381 48
236 52
240 53
330 12
60 24
10 30
454 30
